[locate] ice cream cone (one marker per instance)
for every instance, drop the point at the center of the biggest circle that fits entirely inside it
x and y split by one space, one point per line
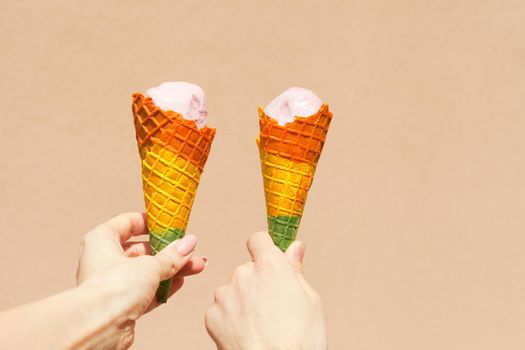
173 152
289 155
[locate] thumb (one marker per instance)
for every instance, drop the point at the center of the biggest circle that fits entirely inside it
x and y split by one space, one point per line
173 257
295 254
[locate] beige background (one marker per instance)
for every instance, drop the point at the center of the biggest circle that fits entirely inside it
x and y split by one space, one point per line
415 225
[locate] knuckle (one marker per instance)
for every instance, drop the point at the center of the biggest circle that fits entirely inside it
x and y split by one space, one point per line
210 313
88 237
102 230
133 251
220 294
211 318
269 260
259 234
249 243
241 272
151 262
123 218
255 237
173 268
128 221
166 262
120 221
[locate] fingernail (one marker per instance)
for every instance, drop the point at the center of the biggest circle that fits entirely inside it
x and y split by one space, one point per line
185 245
205 259
299 251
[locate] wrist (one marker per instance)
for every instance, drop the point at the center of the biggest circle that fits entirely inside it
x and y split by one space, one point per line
79 318
102 318
110 304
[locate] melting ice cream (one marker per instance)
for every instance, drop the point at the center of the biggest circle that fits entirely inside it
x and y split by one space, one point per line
184 98
294 102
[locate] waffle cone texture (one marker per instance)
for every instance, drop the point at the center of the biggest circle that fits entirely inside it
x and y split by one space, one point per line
289 156
173 154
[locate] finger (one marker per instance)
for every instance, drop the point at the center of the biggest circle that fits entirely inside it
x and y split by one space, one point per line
132 249
105 240
177 254
176 285
259 244
220 294
196 265
214 321
124 226
295 254
241 272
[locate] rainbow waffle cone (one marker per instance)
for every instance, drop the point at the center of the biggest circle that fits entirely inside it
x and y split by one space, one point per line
173 153
289 156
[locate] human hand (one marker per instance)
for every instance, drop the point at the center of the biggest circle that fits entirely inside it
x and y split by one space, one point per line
128 272
268 304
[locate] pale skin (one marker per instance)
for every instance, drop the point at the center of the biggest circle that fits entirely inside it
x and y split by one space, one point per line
117 280
267 304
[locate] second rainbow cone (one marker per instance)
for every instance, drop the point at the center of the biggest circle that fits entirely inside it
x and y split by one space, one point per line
289 148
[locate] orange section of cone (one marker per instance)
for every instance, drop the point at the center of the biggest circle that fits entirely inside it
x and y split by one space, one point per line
169 129
300 141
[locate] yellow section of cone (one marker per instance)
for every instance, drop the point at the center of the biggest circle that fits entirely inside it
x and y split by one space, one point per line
286 184
170 183
173 153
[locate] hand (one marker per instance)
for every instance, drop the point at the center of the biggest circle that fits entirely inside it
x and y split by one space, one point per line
268 304
128 271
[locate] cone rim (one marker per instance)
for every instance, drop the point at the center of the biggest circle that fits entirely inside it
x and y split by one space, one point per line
173 114
324 109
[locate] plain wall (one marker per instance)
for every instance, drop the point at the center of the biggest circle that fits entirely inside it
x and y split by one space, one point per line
415 225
